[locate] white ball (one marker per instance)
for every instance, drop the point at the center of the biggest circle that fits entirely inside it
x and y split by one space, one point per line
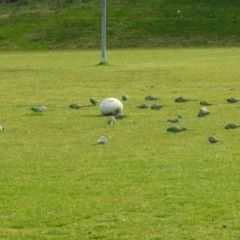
111 106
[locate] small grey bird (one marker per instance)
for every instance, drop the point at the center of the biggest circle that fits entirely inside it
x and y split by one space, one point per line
203 112
120 116
181 99
75 106
203 109
175 119
111 120
157 106
212 139
176 129
150 98
1 128
205 103
232 100
231 126
101 140
143 106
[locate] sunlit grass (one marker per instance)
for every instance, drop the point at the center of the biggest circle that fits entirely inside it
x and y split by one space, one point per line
145 183
71 24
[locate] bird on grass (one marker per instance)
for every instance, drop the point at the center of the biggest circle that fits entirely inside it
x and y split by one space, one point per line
111 120
231 126
75 106
203 112
94 101
175 119
205 103
143 106
39 109
1 128
124 97
120 116
181 99
157 106
232 100
150 98
176 129
212 139
101 140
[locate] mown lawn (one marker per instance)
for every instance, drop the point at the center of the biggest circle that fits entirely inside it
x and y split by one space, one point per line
75 24
145 183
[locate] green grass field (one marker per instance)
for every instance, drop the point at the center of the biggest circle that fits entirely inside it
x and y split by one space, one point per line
61 24
145 183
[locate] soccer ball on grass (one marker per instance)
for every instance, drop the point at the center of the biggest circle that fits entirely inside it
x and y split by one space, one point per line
111 106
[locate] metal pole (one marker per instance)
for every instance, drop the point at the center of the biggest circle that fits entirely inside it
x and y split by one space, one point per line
103 59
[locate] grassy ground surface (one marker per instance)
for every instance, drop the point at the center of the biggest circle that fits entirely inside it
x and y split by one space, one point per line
52 24
145 183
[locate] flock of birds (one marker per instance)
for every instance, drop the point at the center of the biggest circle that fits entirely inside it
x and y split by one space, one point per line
203 112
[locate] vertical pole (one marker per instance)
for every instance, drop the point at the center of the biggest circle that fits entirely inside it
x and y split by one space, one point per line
103 59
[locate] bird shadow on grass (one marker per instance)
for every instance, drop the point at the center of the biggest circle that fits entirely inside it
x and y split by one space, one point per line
101 64
97 116
84 106
33 114
90 105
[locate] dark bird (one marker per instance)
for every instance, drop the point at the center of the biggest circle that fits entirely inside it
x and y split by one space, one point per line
157 106
124 97
203 112
119 116
212 139
176 129
143 106
231 126
181 99
75 106
205 103
175 119
94 101
232 100
150 98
